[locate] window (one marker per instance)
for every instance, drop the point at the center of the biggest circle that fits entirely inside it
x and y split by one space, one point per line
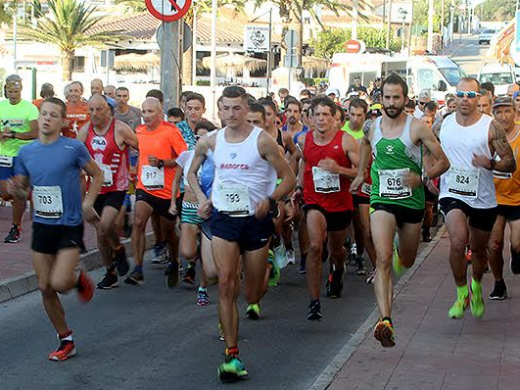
427 79
79 64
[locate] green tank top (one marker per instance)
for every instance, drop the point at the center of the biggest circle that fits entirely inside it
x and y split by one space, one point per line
358 135
391 158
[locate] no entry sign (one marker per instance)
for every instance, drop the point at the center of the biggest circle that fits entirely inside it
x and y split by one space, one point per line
168 10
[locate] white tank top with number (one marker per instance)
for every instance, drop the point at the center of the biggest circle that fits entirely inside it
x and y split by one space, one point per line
238 168
472 185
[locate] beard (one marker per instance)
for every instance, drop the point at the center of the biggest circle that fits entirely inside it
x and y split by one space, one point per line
393 112
293 121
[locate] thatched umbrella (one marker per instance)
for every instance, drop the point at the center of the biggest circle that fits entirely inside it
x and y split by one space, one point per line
137 62
315 64
236 62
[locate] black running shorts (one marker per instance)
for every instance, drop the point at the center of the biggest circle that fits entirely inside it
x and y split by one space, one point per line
50 239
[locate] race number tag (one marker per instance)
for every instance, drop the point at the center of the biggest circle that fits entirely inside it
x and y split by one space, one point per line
391 184
152 177
47 201
325 182
234 199
366 189
6 161
463 181
107 175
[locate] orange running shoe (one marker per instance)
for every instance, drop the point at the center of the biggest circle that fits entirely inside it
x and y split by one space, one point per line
64 351
384 332
85 287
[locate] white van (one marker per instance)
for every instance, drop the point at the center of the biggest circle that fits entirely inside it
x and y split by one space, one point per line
437 73
501 75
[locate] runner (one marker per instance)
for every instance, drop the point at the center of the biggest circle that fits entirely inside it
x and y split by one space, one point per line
77 110
18 120
110 91
107 141
52 167
124 112
467 196
247 162
507 187
395 141
293 124
195 109
96 87
484 105
425 97
324 186
46 92
175 115
160 143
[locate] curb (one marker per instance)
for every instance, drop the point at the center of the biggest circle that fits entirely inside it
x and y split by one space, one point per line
328 375
23 284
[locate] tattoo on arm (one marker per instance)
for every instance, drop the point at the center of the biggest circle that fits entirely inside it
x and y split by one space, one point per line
501 146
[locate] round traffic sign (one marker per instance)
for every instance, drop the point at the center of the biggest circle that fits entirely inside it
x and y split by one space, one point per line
353 46
168 10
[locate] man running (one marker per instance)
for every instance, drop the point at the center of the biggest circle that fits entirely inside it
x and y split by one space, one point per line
96 87
110 91
395 141
247 163
52 167
77 110
124 112
467 198
160 143
293 116
195 109
507 186
323 182
107 141
18 121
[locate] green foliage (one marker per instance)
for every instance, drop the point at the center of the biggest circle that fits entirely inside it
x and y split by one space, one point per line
496 10
333 41
203 83
309 81
420 13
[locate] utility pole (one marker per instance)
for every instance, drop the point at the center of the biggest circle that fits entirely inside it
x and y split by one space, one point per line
410 33
442 24
355 5
213 72
431 14
389 26
171 57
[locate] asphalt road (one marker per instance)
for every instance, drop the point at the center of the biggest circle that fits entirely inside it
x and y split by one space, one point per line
472 56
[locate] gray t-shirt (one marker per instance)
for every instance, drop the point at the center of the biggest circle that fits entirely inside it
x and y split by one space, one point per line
132 118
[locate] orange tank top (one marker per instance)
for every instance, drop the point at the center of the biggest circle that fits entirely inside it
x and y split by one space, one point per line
507 185
77 115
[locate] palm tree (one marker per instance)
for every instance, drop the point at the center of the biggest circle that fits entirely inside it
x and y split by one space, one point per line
68 27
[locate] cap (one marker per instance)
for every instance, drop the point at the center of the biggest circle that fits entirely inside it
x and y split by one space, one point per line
13 80
503 101
425 94
334 91
111 102
515 95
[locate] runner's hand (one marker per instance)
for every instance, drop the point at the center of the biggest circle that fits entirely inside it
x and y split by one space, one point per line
356 183
412 180
262 209
289 213
173 208
482 161
204 209
90 215
153 161
432 188
297 197
329 165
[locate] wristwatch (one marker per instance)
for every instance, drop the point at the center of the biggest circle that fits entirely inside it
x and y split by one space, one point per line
160 164
425 180
273 208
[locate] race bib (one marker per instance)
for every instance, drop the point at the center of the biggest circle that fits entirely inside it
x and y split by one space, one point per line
6 161
107 175
234 199
463 181
47 201
391 184
366 189
152 177
325 182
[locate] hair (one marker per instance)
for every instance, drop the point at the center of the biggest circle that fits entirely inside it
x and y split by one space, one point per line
251 99
204 124
410 104
395 79
430 106
305 92
175 111
359 103
47 91
75 82
293 100
305 101
257 107
13 78
449 101
268 102
283 90
185 94
279 116
342 114
123 89
488 86
324 101
56 102
234 91
156 94
196 96
473 80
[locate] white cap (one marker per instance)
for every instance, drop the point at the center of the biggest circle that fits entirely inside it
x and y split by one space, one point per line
425 94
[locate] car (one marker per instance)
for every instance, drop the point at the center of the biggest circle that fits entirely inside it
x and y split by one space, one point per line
501 75
486 36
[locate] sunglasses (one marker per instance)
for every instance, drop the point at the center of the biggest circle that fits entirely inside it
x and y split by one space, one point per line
468 94
422 103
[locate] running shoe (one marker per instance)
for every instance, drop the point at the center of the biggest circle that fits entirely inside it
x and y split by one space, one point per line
280 256
189 275
64 351
291 259
109 281
384 332
85 287
136 278
121 261
159 253
426 236
399 268
274 277
360 265
514 263
232 370
477 301
314 310
334 284
499 292
371 278
253 311
202 297
172 274
303 268
220 332
460 305
14 235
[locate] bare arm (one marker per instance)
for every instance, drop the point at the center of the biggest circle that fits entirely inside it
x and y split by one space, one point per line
83 132
202 148
499 143
365 150
93 170
32 134
442 164
127 134
175 190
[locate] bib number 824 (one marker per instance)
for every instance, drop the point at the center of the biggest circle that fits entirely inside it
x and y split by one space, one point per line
462 179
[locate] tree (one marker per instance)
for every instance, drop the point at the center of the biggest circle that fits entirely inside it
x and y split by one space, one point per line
68 27
420 13
496 10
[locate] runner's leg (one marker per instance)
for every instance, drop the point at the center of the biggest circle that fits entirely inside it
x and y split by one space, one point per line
108 239
142 213
364 218
316 228
255 281
457 226
495 248
478 241
409 239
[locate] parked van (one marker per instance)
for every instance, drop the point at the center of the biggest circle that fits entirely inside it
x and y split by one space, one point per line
437 73
501 75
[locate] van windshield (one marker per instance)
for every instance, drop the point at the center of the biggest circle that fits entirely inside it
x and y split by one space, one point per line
497 78
453 75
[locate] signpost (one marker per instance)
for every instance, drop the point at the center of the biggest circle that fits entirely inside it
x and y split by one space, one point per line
170 40
517 31
290 60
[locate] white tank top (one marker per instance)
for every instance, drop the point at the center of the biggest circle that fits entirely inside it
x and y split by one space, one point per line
472 185
242 177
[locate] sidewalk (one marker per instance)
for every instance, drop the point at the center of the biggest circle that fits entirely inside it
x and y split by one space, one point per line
434 352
